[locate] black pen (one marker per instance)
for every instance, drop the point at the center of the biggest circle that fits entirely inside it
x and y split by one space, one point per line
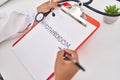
73 60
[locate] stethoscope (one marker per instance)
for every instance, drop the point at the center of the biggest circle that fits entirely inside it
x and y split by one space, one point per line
86 4
40 16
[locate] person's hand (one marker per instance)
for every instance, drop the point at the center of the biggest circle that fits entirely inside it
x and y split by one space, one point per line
45 7
65 69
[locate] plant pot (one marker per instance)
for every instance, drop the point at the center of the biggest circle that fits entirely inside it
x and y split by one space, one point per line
109 19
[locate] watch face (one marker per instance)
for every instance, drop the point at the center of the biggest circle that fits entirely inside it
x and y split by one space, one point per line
39 17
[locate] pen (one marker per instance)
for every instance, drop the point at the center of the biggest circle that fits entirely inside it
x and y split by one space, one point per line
1 78
73 60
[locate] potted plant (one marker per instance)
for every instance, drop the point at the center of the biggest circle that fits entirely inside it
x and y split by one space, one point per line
111 9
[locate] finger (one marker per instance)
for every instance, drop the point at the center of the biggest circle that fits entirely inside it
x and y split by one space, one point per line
72 53
54 5
60 58
60 54
56 0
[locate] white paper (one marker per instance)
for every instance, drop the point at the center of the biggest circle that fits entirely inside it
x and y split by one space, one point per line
37 50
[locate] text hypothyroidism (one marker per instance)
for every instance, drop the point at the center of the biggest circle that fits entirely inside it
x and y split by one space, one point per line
56 35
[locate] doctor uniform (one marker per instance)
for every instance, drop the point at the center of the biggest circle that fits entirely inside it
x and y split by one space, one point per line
15 23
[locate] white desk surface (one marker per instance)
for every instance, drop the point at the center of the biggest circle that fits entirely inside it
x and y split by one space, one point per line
100 55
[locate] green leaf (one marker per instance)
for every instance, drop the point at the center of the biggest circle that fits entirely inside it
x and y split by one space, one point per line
112 9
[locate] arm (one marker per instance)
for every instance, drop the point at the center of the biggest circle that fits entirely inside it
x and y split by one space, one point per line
45 7
65 69
18 22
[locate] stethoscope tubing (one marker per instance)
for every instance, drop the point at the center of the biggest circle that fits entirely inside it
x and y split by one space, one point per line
86 4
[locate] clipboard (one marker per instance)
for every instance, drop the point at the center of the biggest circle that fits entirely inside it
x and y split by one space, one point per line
31 48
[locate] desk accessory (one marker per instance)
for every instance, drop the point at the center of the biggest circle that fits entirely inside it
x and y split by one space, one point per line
111 9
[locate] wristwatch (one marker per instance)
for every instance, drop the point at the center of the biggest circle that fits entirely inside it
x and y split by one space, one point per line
39 16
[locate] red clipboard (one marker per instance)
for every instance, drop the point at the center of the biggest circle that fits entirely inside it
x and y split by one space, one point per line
89 19
92 21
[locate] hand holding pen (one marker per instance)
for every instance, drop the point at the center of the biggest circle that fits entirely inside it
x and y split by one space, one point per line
65 68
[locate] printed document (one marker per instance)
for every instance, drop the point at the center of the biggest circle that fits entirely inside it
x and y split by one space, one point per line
38 49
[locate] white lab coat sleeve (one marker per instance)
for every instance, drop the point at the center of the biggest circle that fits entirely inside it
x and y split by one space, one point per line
16 24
